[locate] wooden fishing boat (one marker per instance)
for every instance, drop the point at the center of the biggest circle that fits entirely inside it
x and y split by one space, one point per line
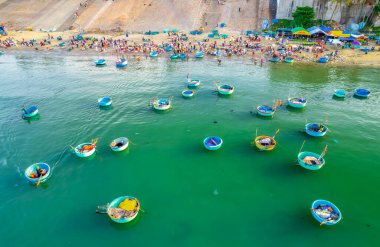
266 110
37 173
323 60
310 160
325 212
199 54
123 209
86 149
161 104
100 62
225 89
316 129
187 93
30 111
297 102
105 101
289 60
212 142
119 144
153 54
121 63
362 93
340 93
193 83
174 56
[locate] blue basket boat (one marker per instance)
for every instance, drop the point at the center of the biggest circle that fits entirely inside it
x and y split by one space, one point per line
30 111
323 60
105 101
325 212
212 142
123 209
168 48
153 54
86 149
187 93
274 59
266 110
340 93
199 54
193 83
161 104
289 60
226 89
182 56
119 144
174 56
362 93
310 160
100 62
38 172
297 102
316 129
121 63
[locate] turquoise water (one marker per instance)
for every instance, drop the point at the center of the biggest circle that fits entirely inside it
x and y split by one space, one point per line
190 197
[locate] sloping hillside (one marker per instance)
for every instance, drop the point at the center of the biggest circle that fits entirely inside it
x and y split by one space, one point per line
133 15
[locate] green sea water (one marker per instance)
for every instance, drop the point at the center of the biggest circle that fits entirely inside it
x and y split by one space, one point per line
235 196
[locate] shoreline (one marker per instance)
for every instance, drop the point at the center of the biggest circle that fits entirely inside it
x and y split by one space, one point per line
145 44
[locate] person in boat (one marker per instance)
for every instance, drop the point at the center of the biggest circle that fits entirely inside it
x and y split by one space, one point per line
87 148
39 173
265 141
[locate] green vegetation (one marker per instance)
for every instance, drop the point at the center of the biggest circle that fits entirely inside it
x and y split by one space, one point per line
303 16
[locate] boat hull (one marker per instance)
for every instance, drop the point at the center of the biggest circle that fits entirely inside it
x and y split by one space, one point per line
194 83
340 93
100 62
162 105
33 169
115 203
314 133
265 113
187 93
225 91
153 54
84 154
321 202
123 140
296 104
210 145
265 147
362 93
302 155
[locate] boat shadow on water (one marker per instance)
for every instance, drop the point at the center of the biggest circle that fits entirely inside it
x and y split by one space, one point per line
293 109
29 120
106 108
337 98
125 226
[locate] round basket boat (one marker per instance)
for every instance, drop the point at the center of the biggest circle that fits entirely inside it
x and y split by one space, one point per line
182 56
212 142
362 93
265 143
29 112
316 129
105 101
153 54
38 172
85 150
310 160
340 93
226 89
193 83
123 209
323 60
297 102
100 62
119 144
161 104
325 212
121 63
187 93
274 59
266 110
168 48
174 56
289 60
199 55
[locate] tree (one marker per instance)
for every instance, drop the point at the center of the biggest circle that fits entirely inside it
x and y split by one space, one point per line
304 16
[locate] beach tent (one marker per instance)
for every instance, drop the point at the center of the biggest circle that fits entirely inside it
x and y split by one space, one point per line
325 29
339 34
347 39
300 31
316 30
284 32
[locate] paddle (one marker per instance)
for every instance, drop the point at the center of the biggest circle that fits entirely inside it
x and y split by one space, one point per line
323 152
256 132
302 146
276 133
39 181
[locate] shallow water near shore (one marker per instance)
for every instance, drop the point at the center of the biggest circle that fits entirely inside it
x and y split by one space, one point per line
190 197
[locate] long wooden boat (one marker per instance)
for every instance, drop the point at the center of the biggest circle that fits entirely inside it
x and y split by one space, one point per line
325 212
37 173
